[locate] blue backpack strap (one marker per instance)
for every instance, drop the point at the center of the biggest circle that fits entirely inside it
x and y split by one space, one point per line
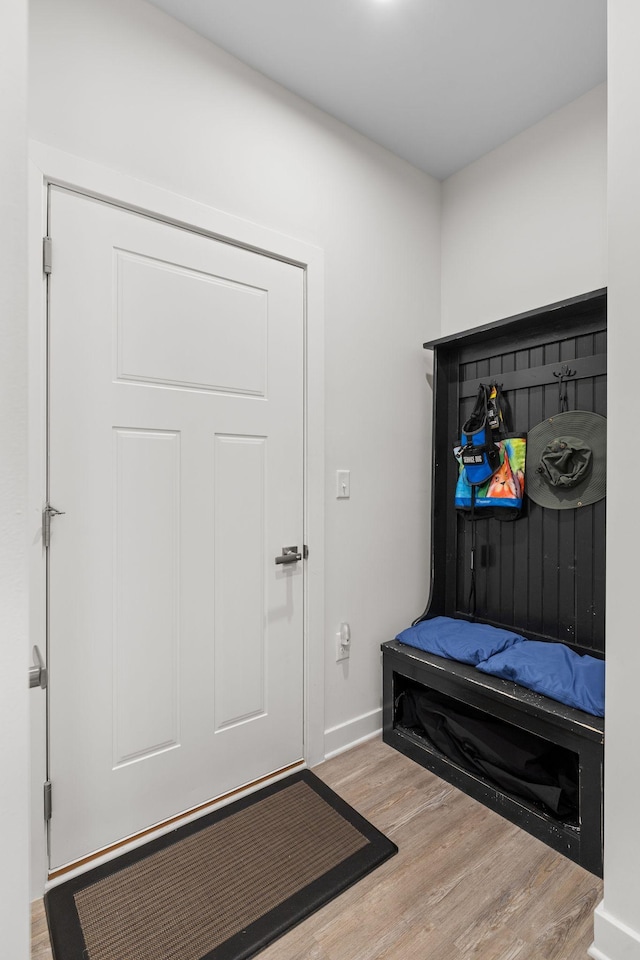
479 454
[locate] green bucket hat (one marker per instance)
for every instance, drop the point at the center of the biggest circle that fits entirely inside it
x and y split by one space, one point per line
566 463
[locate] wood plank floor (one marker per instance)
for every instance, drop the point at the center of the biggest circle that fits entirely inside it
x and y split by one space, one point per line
465 883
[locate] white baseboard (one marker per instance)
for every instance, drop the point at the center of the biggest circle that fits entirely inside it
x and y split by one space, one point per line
613 940
349 734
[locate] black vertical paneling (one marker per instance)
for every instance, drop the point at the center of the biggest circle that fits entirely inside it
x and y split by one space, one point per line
519 401
463 578
503 570
566 610
599 519
599 575
543 574
463 528
482 369
535 520
490 539
585 600
567 354
486 545
586 603
489 553
550 538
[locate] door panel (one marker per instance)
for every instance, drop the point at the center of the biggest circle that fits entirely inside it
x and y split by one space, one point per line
176 452
146 592
153 348
239 645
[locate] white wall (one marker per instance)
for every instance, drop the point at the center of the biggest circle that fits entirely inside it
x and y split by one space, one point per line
526 224
617 923
117 82
14 740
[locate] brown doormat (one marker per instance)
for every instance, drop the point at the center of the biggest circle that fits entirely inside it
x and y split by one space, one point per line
222 887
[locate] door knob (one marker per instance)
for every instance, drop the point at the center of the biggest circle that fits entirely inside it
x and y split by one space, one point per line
289 555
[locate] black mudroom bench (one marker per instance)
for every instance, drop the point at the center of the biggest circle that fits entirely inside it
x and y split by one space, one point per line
541 576
579 835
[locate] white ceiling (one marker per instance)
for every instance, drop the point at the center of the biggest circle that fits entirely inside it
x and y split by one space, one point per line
438 82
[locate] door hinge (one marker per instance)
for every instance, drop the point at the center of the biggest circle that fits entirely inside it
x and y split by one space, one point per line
46 254
47 800
47 513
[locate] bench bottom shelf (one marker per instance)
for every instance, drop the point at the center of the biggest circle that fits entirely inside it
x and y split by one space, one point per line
577 836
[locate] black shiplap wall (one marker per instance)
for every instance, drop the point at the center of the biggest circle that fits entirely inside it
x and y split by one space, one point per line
543 574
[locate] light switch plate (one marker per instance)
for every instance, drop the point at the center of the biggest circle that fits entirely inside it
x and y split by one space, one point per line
343 484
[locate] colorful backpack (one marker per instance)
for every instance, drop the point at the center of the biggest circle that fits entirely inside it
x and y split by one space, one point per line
491 461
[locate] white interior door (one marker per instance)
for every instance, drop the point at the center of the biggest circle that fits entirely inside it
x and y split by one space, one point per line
176 454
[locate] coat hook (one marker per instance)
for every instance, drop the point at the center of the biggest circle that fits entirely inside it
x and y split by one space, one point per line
563 374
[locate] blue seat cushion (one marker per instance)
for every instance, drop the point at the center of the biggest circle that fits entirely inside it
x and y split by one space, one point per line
458 639
553 670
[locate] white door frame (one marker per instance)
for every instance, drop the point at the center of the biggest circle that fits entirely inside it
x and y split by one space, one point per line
49 165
